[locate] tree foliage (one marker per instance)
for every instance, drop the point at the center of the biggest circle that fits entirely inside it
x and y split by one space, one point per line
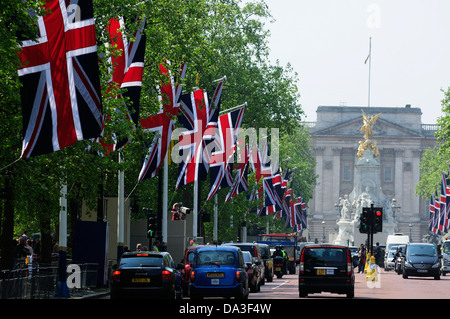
436 160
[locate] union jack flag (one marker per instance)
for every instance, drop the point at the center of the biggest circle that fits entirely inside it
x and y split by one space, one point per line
240 183
126 72
199 119
225 145
437 212
443 223
162 124
60 93
300 210
432 214
260 164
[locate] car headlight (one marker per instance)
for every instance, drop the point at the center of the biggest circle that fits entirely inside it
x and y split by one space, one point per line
408 264
436 265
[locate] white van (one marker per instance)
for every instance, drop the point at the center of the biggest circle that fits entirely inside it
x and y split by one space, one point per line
395 240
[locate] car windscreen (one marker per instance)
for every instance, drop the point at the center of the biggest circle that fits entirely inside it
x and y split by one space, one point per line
147 261
264 251
325 257
215 257
247 257
446 247
422 250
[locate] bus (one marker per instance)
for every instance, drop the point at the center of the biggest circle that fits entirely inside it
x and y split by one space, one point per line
289 242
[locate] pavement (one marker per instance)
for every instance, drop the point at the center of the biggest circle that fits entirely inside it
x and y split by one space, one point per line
90 293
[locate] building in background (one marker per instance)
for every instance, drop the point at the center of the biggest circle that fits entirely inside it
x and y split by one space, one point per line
402 138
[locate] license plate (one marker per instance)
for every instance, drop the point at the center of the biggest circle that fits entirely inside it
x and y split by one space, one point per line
277 268
215 275
140 280
422 270
323 272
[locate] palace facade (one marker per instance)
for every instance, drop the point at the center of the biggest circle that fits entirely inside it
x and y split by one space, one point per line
401 137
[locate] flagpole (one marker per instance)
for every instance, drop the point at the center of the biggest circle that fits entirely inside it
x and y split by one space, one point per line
216 205
233 108
165 198
120 215
195 208
370 66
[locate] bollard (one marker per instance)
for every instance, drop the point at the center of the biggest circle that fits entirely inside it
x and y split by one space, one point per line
367 263
372 270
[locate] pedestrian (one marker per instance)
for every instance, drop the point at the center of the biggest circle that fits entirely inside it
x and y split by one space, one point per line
139 247
175 212
378 254
156 246
362 258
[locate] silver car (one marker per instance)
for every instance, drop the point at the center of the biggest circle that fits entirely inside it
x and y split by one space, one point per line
389 260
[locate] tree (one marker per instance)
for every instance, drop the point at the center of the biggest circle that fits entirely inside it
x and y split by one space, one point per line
435 161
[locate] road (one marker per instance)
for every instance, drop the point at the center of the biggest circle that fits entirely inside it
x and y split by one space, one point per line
390 285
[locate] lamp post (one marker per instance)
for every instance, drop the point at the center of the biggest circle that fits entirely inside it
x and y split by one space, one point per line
323 227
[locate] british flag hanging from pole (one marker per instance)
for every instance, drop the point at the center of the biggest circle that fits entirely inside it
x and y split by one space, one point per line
162 124
199 119
127 66
240 183
225 146
60 93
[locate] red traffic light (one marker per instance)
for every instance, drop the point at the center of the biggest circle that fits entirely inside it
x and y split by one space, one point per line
378 213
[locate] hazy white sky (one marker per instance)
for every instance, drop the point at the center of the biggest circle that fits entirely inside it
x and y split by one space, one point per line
327 42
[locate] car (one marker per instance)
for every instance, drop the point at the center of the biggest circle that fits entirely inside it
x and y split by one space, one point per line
355 255
389 262
268 261
218 271
326 267
146 274
255 250
445 257
186 272
253 272
421 260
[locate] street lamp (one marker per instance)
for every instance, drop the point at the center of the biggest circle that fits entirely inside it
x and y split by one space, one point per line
323 226
410 232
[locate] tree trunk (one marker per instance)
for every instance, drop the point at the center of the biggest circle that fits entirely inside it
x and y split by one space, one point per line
8 243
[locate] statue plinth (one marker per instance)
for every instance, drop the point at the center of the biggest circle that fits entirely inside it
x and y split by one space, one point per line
367 190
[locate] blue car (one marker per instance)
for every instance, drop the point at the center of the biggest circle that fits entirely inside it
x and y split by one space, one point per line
218 271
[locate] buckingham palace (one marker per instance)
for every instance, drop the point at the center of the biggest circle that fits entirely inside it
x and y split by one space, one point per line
401 138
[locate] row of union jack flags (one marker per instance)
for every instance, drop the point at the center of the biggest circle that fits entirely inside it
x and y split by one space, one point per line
280 200
62 104
61 98
440 207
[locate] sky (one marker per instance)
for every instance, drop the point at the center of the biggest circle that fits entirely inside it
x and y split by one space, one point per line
327 42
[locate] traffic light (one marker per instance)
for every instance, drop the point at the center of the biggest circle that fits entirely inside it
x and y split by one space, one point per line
378 219
151 226
364 220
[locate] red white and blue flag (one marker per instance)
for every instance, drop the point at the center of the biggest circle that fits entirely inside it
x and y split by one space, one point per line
60 93
260 164
163 123
224 147
240 183
199 119
432 214
127 66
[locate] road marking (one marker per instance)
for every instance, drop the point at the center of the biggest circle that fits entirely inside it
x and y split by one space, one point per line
285 282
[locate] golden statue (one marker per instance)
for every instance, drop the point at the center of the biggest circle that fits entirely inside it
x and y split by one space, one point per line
367 128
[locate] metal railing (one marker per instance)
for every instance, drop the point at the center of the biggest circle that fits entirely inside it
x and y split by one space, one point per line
39 281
